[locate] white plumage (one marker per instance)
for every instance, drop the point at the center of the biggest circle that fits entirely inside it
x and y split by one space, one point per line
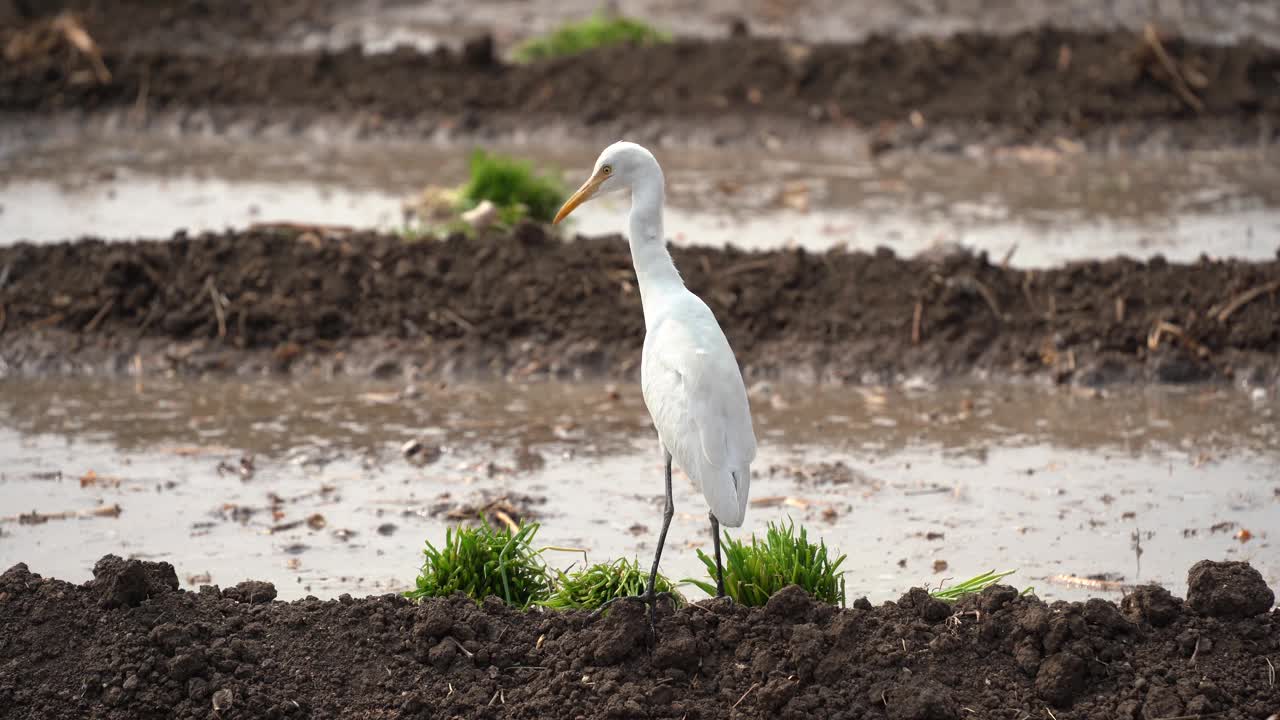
689 375
694 393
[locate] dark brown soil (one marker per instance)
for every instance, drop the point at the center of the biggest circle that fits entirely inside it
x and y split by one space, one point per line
129 644
530 304
1104 87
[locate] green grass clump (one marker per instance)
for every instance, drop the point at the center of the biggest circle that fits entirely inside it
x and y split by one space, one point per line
972 586
754 572
598 31
480 561
513 187
593 586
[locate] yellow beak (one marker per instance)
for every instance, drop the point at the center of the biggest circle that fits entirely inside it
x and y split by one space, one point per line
584 194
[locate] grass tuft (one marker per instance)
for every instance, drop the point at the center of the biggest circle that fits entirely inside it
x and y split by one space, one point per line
599 30
480 561
593 586
514 187
972 586
754 572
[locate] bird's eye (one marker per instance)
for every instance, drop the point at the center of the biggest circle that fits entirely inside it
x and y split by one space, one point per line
606 169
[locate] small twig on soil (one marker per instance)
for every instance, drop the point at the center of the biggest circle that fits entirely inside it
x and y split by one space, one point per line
218 311
956 619
989 297
1004 263
1179 84
1050 712
152 314
1027 277
50 321
102 313
1167 328
139 112
302 227
745 694
1120 309
494 699
465 651
457 319
506 520
1271 672
1195 652
927 491
1085 582
4 275
747 266
916 318
35 517
1244 298
969 282
74 32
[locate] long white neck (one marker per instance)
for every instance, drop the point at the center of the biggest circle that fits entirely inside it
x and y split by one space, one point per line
656 274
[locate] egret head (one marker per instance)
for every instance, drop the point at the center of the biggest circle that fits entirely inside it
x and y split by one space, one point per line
617 169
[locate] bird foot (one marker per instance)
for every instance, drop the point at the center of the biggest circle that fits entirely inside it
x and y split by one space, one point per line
649 599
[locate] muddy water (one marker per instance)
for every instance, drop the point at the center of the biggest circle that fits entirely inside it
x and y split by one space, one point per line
1044 206
382 24
1047 482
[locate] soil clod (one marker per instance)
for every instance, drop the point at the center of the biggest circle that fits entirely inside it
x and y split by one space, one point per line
251 592
127 583
1228 590
1151 604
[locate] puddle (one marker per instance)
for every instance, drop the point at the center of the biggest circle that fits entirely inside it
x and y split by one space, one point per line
1052 208
1046 481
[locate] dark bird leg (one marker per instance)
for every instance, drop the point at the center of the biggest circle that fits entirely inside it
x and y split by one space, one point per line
650 597
668 511
715 540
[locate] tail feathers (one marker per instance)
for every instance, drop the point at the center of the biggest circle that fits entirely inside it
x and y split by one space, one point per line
727 495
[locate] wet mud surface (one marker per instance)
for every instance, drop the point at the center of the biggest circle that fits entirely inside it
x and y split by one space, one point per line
330 486
130 644
529 305
1108 87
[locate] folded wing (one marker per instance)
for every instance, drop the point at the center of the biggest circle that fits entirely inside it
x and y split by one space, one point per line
694 391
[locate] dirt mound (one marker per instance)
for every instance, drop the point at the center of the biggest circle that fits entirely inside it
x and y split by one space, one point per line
530 304
998 655
1115 86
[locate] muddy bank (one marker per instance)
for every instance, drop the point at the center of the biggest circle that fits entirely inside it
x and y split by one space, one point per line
130 644
1108 88
529 304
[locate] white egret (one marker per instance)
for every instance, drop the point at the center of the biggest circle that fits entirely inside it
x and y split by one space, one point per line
688 373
